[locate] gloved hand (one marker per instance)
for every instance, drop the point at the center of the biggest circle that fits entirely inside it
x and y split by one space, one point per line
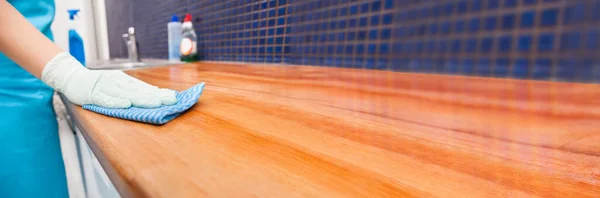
106 88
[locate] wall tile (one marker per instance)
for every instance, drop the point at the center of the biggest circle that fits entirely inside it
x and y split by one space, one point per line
526 39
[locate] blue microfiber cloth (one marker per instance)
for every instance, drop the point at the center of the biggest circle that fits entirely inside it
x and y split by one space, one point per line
158 116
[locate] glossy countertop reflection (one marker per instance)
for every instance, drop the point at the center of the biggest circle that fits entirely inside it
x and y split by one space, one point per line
299 131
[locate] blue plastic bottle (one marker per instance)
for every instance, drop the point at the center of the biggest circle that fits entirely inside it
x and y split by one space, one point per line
75 42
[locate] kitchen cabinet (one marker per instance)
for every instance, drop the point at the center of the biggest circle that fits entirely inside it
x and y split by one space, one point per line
97 183
82 167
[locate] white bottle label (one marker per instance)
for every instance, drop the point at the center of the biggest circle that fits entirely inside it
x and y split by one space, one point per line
187 46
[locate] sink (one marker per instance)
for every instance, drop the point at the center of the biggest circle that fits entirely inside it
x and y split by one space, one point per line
125 64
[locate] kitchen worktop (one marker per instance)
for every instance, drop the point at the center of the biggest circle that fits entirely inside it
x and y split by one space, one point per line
297 131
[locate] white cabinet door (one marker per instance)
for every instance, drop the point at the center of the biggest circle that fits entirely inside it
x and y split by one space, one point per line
69 149
97 183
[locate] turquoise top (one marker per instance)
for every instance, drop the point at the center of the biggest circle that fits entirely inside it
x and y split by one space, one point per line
31 163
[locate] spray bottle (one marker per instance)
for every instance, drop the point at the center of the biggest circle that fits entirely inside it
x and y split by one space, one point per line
75 42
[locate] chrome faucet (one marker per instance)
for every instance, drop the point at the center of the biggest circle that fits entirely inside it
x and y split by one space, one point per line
133 51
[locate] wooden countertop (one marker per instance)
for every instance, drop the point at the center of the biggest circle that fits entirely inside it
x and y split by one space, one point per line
291 131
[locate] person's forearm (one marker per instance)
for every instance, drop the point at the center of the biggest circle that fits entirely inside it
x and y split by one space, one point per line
22 42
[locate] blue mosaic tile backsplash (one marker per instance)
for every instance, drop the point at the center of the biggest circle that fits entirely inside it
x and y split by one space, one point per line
526 39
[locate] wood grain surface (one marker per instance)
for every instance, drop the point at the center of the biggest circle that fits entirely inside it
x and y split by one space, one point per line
291 131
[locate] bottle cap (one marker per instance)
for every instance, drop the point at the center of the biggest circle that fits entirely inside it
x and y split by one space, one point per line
188 17
174 18
72 13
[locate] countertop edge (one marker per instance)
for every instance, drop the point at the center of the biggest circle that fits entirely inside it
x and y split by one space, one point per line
125 189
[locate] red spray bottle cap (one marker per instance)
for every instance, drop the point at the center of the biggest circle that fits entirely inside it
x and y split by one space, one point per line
188 17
